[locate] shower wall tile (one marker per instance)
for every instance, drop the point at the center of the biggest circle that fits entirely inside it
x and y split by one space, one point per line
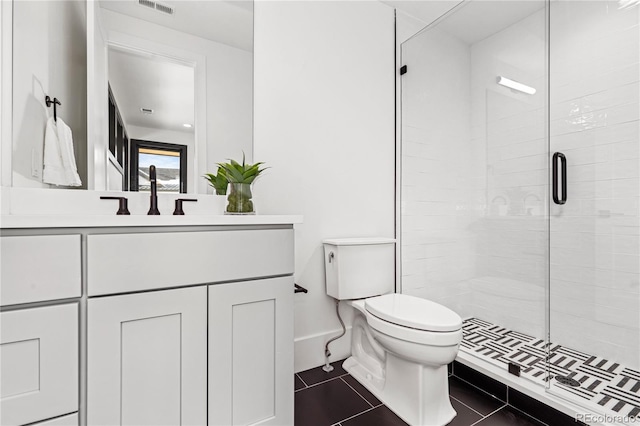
437 194
595 237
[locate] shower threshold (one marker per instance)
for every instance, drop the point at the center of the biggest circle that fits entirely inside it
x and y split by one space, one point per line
605 387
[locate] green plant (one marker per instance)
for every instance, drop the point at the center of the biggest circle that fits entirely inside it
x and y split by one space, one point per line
241 173
219 182
240 177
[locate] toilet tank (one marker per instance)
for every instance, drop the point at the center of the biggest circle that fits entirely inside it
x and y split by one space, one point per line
359 267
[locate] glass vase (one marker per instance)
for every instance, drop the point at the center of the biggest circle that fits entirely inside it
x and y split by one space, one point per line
239 199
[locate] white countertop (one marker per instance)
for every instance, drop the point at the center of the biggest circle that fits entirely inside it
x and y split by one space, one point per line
99 221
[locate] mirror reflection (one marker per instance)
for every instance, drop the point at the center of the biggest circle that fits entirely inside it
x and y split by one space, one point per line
140 82
151 121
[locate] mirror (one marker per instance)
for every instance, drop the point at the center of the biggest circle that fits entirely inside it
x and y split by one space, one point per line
129 75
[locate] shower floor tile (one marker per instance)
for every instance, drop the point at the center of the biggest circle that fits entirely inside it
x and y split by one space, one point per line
605 386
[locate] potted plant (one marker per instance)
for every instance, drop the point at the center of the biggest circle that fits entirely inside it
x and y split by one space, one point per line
219 181
240 177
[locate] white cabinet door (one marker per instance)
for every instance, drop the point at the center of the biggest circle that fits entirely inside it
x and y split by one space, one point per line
147 358
70 420
251 352
39 358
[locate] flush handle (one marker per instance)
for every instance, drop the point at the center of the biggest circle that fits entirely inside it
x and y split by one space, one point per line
331 256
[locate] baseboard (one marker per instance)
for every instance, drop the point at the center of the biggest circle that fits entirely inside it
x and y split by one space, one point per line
309 350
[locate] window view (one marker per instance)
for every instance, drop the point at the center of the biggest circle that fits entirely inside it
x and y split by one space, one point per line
170 161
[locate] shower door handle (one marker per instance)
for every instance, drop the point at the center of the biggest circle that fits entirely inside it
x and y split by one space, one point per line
554 168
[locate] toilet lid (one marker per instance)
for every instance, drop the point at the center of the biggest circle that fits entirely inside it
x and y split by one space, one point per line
414 312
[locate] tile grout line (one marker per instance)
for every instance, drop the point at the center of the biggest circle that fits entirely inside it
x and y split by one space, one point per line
528 415
303 382
322 382
488 415
483 391
352 388
505 403
468 406
354 416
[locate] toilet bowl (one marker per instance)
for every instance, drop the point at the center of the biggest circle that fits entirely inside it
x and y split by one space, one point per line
400 344
406 367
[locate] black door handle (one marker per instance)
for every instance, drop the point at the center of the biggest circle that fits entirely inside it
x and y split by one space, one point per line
554 168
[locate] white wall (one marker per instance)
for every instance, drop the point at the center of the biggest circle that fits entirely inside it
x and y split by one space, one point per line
229 74
160 135
50 59
324 123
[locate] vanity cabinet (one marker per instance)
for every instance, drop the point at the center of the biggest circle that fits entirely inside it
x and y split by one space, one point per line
148 325
147 358
250 352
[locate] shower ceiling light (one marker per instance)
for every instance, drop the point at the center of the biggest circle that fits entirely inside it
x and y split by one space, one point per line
516 86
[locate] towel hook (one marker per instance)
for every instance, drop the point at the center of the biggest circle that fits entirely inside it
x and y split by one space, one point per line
55 102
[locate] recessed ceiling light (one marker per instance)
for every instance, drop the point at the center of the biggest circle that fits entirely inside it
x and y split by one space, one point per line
187 125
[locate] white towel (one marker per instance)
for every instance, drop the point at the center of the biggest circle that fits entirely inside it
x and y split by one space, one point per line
59 160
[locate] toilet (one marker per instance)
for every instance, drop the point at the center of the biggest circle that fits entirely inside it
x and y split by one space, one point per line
400 344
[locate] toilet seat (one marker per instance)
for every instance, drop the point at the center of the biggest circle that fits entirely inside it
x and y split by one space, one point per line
413 312
427 338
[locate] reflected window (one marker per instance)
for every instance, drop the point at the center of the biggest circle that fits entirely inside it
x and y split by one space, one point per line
170 161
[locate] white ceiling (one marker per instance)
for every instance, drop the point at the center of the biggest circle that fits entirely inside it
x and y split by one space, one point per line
473 21
146 81
426 11
224 21
480 19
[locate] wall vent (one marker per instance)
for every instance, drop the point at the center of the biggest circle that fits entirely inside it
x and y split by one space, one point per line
160 7
146 110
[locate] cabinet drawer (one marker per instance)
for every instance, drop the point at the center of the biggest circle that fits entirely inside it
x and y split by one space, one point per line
39 370
37 268
120 263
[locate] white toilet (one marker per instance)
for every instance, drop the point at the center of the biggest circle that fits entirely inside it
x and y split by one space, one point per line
400 344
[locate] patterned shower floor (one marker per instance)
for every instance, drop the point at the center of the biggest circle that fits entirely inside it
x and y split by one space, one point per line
605 386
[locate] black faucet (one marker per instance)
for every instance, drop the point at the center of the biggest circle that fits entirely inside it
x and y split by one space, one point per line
153 209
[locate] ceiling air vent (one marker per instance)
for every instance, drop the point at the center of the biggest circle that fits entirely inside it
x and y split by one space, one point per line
146 110
164 8
147 3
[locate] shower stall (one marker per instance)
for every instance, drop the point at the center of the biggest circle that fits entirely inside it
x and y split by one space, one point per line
520 189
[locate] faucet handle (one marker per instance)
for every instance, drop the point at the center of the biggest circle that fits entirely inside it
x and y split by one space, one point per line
178 211
123 208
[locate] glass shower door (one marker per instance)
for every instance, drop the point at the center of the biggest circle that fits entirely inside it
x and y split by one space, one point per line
474 177
595 224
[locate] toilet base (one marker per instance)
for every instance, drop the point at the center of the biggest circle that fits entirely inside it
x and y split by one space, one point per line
418 394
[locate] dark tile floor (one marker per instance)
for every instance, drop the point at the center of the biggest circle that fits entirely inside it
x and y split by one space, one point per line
336 398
